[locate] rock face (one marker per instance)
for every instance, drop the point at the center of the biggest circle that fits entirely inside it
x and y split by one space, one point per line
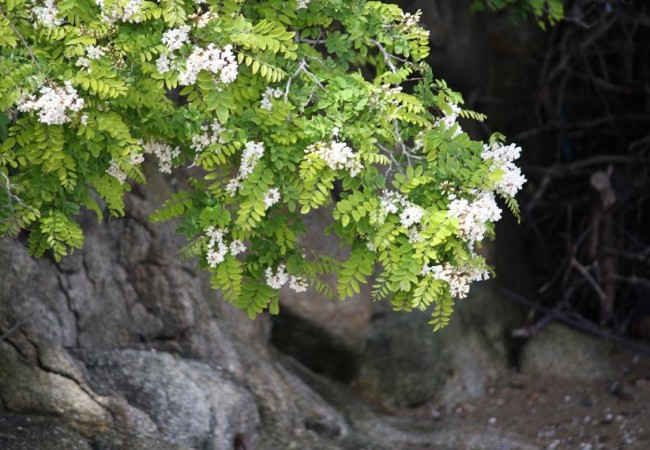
122 345
566 353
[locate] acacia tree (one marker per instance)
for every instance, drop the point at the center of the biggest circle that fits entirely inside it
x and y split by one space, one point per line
280 101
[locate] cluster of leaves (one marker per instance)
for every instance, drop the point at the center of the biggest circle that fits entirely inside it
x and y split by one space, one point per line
337 64
544 11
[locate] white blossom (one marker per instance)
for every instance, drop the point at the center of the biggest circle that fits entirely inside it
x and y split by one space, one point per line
391 201
201 20
176 37
164 152
232 186
83 120
46 15
271 197
164 63
458 278
411 215
414 235
298 283
137 158
126 11
473 217
237 247
116 171
337 156
503 157
211 59
268 95
302 4
251 155
211 135
54 104
278 278
216 247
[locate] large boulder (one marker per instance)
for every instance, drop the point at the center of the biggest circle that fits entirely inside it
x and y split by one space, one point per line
566 353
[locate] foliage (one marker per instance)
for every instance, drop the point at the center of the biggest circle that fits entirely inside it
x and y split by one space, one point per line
277 104
544 11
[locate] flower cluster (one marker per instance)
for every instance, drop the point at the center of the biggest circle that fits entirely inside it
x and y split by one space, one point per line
458 278
303 4
280 277
337 156
46 15
271 197
92 53
126 11
164 152
54 105
250 157
392 202
503 157
211 135
201 20
176 37
116 171
268 95
217 248
473 217
211 59
411 215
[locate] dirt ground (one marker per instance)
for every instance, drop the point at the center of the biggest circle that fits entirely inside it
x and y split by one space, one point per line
558 414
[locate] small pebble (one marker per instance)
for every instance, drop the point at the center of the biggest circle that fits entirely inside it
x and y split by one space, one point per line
492 420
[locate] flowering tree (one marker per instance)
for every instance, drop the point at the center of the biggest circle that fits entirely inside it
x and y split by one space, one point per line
276 103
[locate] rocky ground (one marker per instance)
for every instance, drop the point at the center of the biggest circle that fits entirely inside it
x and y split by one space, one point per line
554 413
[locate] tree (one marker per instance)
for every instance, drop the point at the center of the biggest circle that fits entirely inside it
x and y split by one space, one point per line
276 105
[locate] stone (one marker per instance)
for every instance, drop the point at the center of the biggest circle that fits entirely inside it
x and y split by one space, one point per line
191 403
566 353
38 433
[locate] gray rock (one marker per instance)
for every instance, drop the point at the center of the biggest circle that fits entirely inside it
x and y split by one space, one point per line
190 402
37 433
566 353
406 364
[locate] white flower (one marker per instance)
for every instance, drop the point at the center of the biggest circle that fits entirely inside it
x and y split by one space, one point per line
278 278
473 217
337 156
164 152
391 201
298 283
268 95
302 4
211 135
458 278
414 235
502 158
232 186
237 247
54 105
94 52
271 197
251 155
176 37
221 62
216 256
116 171
137 158
411 215
83 120
126 11
164 63
201 20
46 15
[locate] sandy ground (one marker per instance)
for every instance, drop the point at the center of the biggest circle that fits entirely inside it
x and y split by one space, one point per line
558 414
